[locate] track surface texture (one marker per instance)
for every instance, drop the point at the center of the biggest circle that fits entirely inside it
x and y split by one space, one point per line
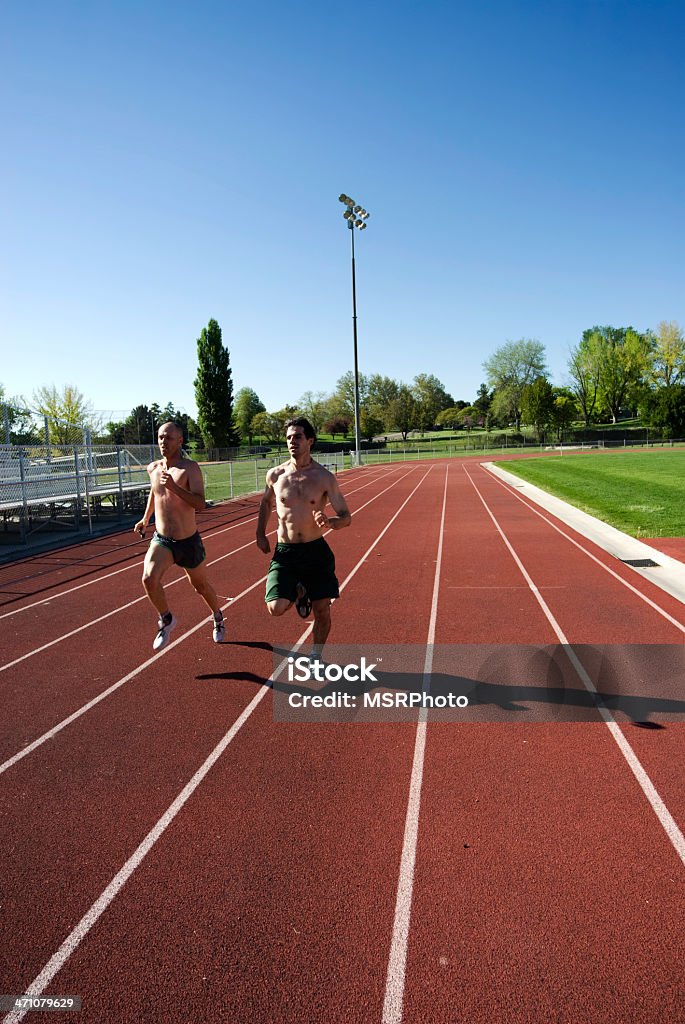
170 853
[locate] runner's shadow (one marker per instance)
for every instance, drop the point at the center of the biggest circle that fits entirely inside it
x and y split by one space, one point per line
255 645
240 677
517 683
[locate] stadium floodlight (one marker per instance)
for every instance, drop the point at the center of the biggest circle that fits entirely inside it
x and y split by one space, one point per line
356 217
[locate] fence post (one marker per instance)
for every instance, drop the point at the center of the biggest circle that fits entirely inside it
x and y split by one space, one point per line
22 477
6 417
256 476
121 485
90 520
92 464
230 476
78 487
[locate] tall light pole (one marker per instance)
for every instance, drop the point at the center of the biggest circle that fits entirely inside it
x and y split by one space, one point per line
356 217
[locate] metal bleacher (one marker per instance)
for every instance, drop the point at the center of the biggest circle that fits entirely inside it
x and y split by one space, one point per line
69 485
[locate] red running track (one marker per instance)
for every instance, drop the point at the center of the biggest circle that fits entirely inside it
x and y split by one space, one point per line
169 853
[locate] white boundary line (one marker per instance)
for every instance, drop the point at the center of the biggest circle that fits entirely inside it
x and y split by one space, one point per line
643 597
51 733
100 579
107 576
397 961
76 936
665 817
123 607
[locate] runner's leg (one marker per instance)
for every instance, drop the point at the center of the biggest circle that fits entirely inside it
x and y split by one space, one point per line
198 577
322 624
157 560
279 606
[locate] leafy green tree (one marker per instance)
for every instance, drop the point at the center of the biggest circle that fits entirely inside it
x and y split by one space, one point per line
68 413
585 372
344 393
401 413
483 400
564 410
510 369
380 390
268 425
451 418
138 426
214 389
247 405
471 417
664 409
537 400
431 398
314 405
19 419
668 356
370 423
624 362
288 412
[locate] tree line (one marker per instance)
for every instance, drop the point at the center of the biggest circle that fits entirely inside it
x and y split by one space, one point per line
612 371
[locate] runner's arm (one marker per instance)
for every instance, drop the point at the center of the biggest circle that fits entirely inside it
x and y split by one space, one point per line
142 524
266 507
195 494
344 517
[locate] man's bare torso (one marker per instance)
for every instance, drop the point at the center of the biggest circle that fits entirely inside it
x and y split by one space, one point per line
299 493
173 516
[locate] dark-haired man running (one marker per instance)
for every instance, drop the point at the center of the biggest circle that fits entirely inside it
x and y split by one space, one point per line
302 569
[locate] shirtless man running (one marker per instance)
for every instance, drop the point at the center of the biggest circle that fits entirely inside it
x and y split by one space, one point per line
302 570
177 492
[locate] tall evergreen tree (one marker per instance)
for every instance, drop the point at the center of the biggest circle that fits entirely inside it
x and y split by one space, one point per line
214 389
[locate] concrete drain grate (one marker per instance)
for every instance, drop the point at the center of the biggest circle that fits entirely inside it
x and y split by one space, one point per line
641 563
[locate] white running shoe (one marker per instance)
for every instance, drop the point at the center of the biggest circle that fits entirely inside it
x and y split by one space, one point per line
162 638
219 631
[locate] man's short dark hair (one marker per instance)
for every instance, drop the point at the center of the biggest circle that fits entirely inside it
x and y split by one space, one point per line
302 421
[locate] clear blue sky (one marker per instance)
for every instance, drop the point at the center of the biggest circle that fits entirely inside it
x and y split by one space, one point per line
165 163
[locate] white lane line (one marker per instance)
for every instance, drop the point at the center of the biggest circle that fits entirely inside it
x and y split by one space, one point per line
115 611
123 607
51 733
603 565
655 801
107 576
397 961
76 936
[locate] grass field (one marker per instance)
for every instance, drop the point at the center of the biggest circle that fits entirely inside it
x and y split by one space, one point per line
641 493
227 480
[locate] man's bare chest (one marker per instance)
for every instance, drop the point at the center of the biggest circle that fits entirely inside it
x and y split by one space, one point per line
179 476
296 489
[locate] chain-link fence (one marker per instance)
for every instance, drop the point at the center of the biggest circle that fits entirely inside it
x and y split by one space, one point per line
69 486
32 427
83 486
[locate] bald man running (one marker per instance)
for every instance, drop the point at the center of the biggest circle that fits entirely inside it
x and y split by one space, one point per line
302 570
176 493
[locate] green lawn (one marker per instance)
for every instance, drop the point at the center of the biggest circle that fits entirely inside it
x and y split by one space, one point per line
641 493
227 480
